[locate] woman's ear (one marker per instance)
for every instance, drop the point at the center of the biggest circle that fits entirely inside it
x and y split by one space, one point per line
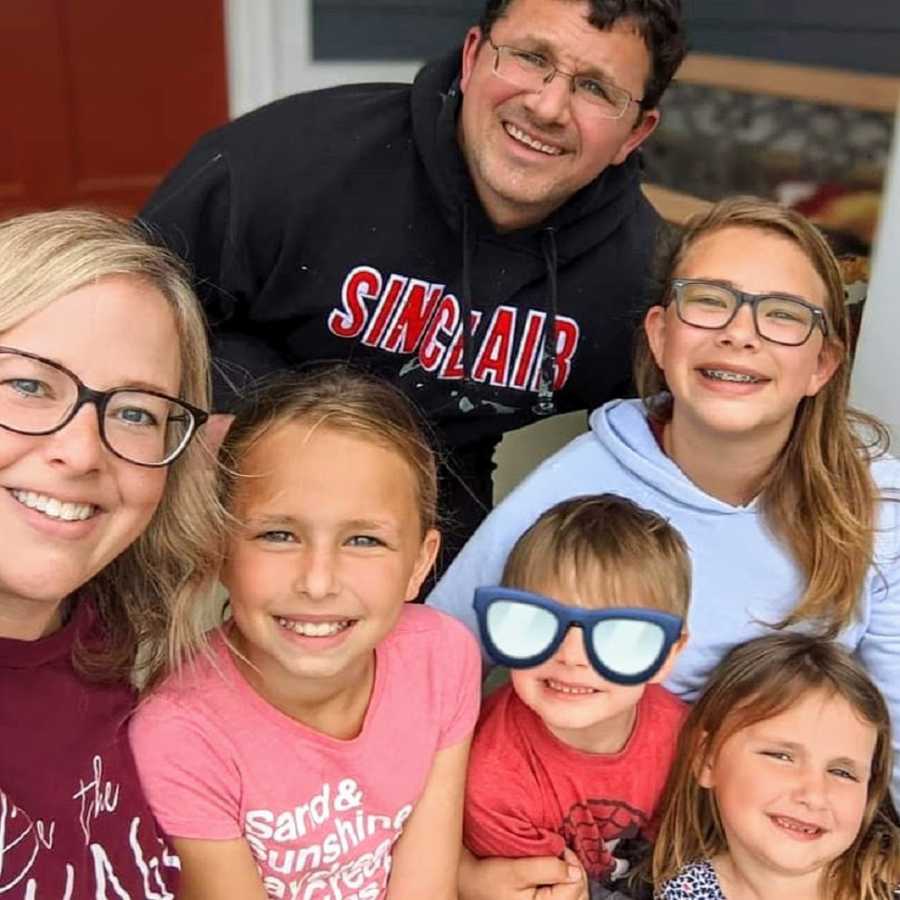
214 431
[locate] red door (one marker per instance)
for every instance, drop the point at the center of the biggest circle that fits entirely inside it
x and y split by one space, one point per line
99 98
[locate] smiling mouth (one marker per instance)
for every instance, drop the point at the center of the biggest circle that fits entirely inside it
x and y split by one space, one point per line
315 629
733 377
524 138
53 508
563 688
798 827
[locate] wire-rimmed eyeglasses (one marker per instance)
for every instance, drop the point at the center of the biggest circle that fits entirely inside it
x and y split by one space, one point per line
779 318
39 396
533 72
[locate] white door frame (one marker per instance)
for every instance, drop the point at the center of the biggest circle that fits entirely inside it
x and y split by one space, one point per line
269 49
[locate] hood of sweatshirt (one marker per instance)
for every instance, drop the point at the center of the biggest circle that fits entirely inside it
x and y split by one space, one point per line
622 429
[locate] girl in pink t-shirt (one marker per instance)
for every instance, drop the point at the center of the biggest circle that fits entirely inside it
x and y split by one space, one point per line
318 745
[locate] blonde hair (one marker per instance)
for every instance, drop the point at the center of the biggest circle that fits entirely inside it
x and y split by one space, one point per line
606 546
754 682
819 497
43 257
333 396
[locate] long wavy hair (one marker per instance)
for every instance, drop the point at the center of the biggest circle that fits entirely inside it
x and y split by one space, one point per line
44 256
819 497
337 396
757 681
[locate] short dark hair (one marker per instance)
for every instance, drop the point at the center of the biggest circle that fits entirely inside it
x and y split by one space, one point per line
658 22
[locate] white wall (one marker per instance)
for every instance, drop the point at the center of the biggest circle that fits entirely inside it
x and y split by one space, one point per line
269 46
876 373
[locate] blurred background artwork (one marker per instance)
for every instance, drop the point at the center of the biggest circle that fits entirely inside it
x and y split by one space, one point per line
794 99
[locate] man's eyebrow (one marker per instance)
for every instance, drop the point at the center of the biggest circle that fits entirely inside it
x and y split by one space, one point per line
536 44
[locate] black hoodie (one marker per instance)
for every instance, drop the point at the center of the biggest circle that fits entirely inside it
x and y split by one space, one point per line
342 224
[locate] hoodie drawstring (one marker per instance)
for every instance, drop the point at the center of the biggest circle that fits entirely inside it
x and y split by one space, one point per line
545 405
466 298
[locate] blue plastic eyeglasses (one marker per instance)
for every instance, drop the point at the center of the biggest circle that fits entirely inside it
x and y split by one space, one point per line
625 645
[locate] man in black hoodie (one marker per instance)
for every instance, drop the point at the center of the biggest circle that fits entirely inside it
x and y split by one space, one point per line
369 222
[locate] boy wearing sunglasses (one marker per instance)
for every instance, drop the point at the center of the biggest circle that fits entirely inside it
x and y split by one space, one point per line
575 751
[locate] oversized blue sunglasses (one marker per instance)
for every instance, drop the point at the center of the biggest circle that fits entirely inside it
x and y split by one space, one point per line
625 645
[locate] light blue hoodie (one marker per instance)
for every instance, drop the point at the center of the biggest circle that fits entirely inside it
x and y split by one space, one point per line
741 576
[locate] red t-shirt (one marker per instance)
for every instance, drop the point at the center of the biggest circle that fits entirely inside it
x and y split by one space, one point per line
528 794
74 824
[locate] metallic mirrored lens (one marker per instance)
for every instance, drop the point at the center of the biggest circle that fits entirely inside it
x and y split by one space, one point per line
519 630
627 646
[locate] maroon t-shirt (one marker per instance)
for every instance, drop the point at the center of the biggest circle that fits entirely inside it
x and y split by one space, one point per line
74 824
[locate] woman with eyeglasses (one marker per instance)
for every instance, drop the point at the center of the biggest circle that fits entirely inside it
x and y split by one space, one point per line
744 441
104 506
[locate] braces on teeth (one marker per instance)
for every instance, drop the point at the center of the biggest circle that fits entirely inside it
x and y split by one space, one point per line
722 375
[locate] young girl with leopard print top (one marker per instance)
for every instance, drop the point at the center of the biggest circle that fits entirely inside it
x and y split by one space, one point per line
781 782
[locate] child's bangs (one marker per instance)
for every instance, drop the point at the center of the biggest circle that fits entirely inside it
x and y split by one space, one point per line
613 583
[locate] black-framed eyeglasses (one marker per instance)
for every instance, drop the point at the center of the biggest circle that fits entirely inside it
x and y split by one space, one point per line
779 318
521 630
532 71
39 396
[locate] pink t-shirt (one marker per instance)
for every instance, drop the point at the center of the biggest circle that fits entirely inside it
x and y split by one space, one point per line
320 814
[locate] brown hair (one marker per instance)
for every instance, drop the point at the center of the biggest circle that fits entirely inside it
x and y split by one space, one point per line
335 396
44 256
819 497
757 681
604 545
